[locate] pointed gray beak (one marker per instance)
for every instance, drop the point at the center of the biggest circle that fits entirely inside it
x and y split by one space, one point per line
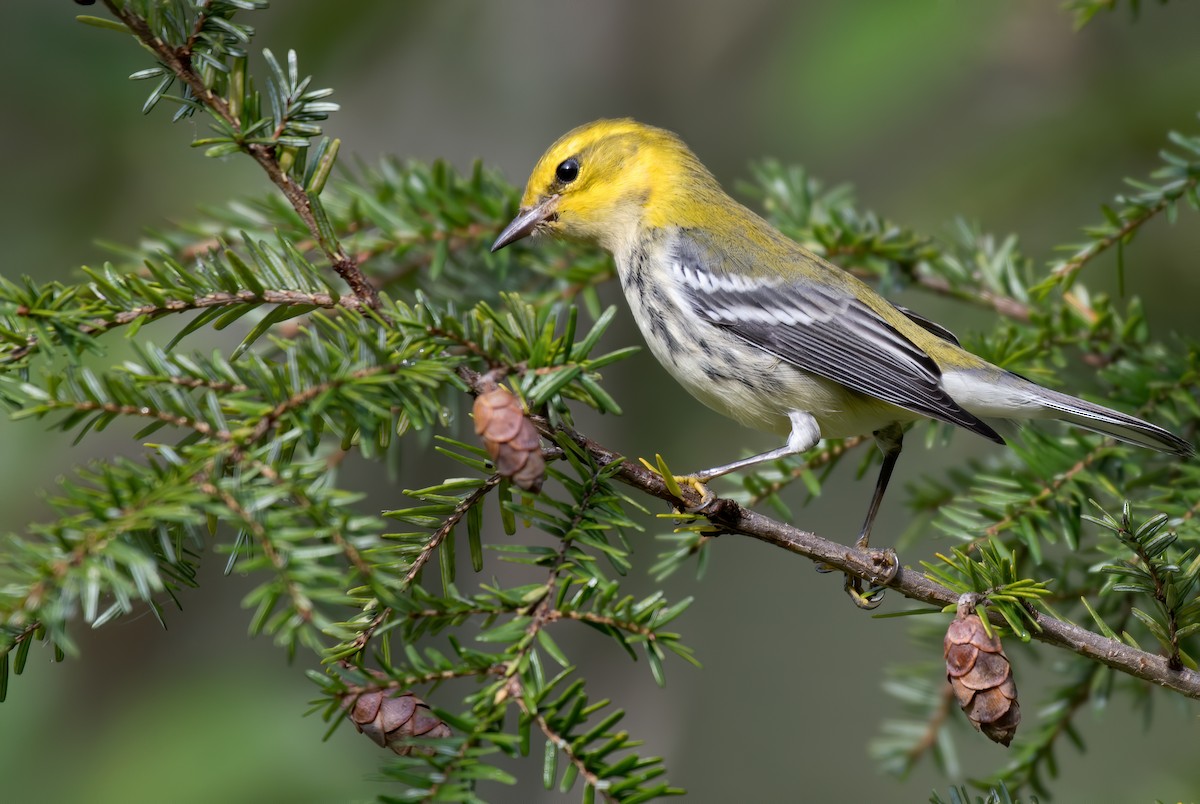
526 221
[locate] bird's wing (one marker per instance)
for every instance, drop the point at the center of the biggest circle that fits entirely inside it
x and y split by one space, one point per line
826 331
928 324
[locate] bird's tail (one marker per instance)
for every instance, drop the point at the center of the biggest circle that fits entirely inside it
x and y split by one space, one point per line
1105 421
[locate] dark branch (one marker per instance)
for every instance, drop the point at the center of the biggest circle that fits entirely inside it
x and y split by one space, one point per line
733 518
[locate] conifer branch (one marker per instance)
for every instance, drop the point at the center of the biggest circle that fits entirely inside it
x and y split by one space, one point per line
218 386
561 743
306 395
422 558
408 681
140 412
1003 304
1179 180
460 758
933 726
1066 268
283 298
1155 571
939 285
179 62
1045 494
257 423
444 530
278 297
300 602
734 518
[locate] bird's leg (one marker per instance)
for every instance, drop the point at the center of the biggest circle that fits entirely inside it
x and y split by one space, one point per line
804 436
890 440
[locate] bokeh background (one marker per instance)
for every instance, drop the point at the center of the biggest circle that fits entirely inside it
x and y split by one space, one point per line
996 111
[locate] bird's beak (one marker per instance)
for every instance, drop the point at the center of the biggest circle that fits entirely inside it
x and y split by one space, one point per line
526 221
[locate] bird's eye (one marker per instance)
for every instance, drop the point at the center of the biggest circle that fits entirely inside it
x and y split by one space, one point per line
568 170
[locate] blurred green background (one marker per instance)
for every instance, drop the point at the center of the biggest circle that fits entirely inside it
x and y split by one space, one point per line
996 111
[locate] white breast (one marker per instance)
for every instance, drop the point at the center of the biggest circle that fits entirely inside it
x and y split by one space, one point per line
728 374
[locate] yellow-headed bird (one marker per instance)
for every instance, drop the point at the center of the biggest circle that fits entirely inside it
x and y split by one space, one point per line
764 331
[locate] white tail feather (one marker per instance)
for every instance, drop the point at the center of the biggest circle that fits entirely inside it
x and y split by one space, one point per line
1120 426
1009 396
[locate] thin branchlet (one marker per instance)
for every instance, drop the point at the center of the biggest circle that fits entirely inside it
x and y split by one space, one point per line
179 61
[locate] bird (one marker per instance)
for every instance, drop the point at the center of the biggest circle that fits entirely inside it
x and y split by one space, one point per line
765 331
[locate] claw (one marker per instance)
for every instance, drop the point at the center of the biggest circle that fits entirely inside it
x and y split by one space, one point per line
867 600
872 597
707 497
890 561
676 482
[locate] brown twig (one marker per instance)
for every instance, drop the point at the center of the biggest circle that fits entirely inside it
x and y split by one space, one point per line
733 518
405 683
282 298
179 62
303 397
203 428
99 326
1175 660
560 742
300 602
1066 268
466 504
460 510
1004 305
1047 492
217 386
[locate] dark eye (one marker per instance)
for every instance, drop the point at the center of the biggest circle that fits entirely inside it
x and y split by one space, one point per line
568 170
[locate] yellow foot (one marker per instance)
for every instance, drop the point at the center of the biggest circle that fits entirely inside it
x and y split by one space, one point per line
707 497
889 564
869 599
675 485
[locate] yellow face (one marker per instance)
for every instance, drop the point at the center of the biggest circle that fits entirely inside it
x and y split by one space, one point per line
600 181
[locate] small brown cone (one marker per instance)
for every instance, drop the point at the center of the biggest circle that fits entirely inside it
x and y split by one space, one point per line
392 720
981 675
510 438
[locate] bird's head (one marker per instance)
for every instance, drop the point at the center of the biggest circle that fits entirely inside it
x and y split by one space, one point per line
608 180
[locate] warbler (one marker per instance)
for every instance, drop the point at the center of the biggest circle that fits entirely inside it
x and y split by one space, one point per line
765 331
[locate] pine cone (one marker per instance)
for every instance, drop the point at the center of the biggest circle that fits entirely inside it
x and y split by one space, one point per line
981 675
510 438
392 720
